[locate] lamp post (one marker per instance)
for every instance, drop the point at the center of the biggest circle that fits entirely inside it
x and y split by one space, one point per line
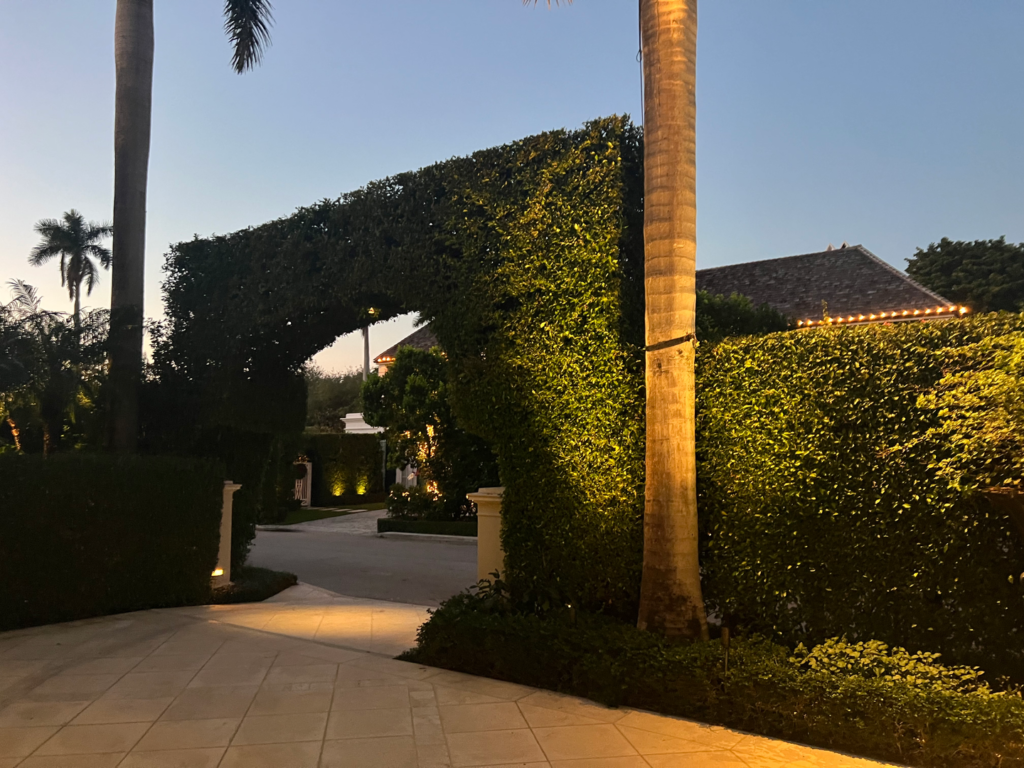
366 352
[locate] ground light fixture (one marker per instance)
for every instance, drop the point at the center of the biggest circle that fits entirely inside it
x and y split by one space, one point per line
908 314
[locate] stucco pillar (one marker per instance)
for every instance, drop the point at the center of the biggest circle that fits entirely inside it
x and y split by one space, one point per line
490 557
222 573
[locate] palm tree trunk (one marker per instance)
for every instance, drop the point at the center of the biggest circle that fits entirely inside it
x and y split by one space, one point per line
133 59
78 313
670 596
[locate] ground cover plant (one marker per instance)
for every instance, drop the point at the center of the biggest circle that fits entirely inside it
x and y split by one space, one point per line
92 534
250 584
865 698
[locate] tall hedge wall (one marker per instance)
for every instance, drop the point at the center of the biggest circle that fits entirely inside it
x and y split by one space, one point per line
88 535
822 509
527 260
344 466
550 370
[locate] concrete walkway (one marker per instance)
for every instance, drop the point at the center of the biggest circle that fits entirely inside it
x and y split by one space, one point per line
305 681
354 524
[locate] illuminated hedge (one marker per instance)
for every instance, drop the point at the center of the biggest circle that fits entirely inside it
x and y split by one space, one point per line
344 466
527 260
823 510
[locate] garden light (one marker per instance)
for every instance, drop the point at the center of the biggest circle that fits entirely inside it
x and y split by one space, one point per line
218 571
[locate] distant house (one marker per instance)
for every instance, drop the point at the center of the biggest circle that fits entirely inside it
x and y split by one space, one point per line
847 285
421 338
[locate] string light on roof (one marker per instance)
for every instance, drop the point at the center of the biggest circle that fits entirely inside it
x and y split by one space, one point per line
952 310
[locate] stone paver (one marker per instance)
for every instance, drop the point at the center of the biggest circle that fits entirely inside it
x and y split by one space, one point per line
305 680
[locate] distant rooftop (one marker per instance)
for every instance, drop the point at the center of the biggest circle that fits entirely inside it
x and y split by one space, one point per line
856 285
851 280
421 338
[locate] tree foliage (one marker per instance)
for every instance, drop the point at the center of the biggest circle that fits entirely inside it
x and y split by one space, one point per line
412 403
77 244
330 397
51 372
719 317
985 275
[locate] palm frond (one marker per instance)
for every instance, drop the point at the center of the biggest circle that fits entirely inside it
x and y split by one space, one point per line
527 2
96 231
89 276
24 297
247 24
101 254
43 252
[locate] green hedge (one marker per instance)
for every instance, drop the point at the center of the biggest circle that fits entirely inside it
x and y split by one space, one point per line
93 534
544 337
345 468
862 699
527 259
823 509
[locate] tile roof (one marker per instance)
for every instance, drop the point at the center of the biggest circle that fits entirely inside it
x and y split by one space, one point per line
852 280
421 338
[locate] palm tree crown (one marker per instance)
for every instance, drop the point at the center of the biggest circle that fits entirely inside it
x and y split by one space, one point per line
77 244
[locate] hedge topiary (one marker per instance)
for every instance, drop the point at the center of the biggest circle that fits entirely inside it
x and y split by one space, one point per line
93 534
823 507
344 467
527 260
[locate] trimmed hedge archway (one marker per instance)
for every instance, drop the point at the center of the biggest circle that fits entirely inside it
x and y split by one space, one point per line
527 259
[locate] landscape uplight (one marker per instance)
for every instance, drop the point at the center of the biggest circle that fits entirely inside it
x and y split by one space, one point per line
218 571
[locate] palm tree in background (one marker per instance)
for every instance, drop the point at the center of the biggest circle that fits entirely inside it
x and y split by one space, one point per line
77 244
247 25
671 602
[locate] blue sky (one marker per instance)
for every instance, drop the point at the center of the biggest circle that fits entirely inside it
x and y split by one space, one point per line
890 124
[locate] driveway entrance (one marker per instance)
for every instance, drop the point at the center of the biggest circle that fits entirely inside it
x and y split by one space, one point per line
345 555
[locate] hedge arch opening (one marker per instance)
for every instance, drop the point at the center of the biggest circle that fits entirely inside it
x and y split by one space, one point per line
527 260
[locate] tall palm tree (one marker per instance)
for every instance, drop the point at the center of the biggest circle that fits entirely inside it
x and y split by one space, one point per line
670 595
77 244
671 601
247 25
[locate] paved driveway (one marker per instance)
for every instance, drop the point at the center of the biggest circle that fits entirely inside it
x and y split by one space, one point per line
345 555
299 682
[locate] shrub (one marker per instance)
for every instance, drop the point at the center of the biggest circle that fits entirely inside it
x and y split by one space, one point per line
824 511
345 467
93 534
890 706
415 504
718 317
